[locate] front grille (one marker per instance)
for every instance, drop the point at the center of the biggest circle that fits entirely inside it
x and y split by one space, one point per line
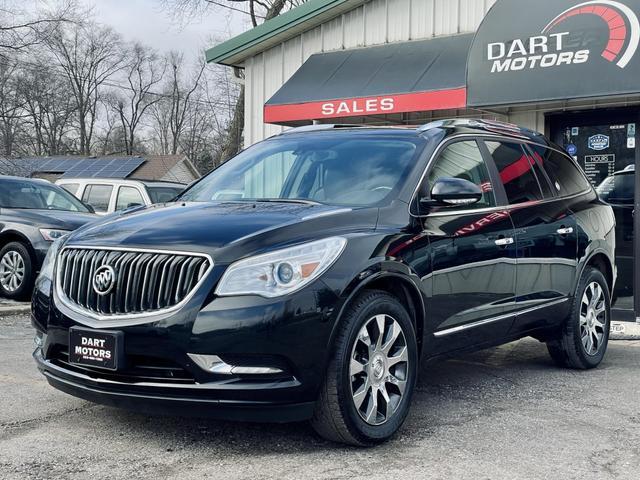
143 281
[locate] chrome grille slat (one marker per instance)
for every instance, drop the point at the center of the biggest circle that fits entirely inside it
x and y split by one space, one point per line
146 282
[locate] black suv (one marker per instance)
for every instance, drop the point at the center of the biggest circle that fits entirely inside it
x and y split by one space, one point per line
340 260
33 213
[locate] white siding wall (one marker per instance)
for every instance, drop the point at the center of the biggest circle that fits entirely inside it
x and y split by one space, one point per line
376 22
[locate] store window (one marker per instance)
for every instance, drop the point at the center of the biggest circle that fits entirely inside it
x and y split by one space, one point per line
515 168
464 160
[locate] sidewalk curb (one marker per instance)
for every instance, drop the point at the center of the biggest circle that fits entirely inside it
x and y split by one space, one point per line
625 331
17 309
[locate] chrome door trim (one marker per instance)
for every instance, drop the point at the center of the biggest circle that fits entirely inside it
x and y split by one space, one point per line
449 331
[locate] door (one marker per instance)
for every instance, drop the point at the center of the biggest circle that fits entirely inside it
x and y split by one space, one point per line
604 143
545 232
472 256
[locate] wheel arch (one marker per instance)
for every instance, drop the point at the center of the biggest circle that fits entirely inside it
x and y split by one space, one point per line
601 261
399 285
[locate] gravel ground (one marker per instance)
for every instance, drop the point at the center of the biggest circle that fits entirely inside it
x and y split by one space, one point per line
504 413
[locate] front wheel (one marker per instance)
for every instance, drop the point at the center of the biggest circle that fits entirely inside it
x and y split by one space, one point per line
16 271
367 391
582 342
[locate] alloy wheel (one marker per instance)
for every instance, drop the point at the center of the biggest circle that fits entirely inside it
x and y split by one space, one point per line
12 271
378 369
593 318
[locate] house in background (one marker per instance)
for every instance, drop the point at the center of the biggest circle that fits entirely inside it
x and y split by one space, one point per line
169 168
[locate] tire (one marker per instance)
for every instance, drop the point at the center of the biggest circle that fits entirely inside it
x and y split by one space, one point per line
17 272
337 417
571 347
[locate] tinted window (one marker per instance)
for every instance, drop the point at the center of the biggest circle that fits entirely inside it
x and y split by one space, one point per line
128 196
335 168
464 160
516 173
619 189
565 175
98 196
16 194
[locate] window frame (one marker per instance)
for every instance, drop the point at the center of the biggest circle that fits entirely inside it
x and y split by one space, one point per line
575 164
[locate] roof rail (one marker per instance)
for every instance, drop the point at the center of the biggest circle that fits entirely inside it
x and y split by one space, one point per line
320 127
494 126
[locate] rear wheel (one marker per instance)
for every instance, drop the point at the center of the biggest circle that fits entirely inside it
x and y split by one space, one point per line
582 341
370 380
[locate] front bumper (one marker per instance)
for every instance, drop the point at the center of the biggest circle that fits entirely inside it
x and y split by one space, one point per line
182 400
159 376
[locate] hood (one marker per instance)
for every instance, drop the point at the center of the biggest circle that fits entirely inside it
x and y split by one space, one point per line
59 219
194 226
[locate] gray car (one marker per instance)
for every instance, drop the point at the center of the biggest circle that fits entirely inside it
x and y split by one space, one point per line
33 213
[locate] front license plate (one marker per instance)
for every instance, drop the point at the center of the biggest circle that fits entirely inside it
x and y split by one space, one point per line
95 348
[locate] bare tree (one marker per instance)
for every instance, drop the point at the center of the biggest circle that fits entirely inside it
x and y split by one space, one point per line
89 55
144 71
49 106
180 90
21 29
258 11
11 104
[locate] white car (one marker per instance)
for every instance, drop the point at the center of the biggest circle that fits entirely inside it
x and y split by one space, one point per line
110 195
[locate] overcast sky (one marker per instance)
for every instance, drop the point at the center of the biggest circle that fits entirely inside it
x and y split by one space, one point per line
144 20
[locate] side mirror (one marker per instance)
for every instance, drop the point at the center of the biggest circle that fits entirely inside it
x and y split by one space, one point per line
89 207
131 205
448 191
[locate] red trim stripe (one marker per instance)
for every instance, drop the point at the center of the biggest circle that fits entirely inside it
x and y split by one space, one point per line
367 106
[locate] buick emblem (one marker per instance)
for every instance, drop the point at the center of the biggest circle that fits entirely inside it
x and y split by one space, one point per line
104 280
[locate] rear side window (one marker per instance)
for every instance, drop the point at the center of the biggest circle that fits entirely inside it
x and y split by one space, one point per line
516 173
566 177
98 197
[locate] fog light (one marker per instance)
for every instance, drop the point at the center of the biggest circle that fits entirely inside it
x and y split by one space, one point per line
214 364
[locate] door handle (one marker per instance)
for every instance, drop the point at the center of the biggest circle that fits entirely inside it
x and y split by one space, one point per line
503 242
565 231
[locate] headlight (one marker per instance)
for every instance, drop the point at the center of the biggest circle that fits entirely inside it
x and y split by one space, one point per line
281 272
51 235
50 260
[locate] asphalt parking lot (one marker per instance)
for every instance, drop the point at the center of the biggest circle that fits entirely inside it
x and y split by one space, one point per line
504 413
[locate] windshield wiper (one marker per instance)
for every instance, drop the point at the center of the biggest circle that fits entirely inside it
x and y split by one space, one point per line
286 200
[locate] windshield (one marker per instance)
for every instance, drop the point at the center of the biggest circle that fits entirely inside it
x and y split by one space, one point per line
163 194
350 170
617 189
31 195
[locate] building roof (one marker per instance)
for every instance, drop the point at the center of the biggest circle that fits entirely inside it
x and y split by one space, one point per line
150 167
311 13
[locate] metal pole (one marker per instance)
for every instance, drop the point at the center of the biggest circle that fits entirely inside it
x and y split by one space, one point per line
636 227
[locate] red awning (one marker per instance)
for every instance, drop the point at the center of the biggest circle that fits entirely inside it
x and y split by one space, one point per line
395 78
